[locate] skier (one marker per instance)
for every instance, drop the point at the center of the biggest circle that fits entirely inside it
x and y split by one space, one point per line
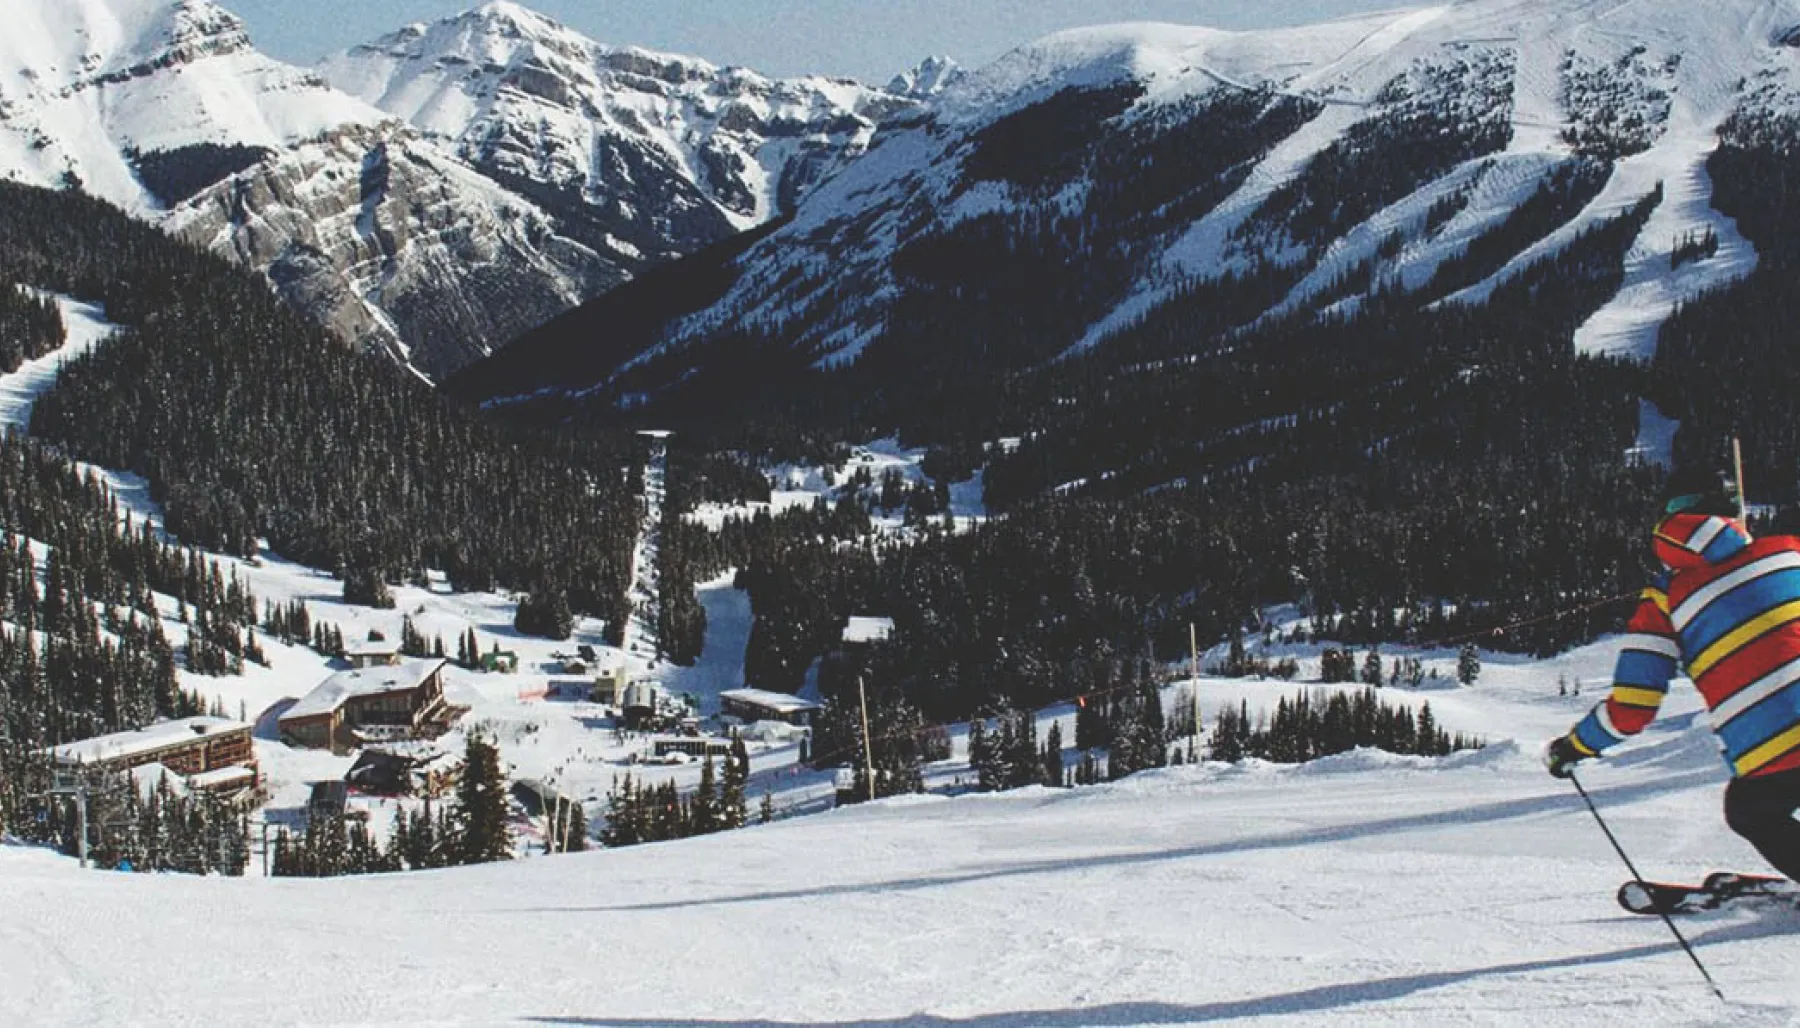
1728 609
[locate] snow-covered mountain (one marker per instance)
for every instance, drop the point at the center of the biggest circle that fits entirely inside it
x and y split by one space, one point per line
109 95
658 153
1322 163
166 109
517 170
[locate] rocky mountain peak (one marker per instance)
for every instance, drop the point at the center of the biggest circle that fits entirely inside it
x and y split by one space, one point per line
927 78
651 154
201 27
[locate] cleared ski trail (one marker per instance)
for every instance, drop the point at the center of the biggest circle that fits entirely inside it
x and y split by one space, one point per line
85 326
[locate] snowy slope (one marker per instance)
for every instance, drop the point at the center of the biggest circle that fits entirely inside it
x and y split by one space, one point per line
85 326
85 83
1639 86
1702 56
1364 889
643 136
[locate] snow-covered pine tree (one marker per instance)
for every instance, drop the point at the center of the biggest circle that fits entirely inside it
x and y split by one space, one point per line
1051 769
703 806
732 813
1468 664
482 833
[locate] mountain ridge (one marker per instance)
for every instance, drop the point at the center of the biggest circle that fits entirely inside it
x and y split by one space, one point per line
1638 90
395 236
517 94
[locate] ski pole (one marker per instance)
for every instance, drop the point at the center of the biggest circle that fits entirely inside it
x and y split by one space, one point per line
1639 879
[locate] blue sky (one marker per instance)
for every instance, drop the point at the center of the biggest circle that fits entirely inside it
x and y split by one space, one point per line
866 39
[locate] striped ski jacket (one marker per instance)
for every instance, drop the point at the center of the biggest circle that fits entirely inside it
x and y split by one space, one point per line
1728 610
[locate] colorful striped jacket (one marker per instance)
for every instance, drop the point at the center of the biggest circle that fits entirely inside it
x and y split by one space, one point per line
1729 611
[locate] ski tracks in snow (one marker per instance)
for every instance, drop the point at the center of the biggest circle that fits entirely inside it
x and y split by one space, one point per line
1628 325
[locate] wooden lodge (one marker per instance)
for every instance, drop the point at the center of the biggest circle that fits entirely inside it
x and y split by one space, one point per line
210 753
365 704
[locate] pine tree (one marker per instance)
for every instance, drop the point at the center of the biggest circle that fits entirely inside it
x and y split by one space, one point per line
1371 669
1468 664
732 813
623 823
364 586
1237 663
703 807
575 832
481 832
1052 768
412 644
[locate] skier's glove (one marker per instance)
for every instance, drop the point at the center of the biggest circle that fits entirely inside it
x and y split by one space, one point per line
1562 756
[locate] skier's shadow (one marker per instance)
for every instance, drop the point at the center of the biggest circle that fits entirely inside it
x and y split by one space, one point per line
1318 999
1497 811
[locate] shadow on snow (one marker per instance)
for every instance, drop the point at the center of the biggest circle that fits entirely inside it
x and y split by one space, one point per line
1502 810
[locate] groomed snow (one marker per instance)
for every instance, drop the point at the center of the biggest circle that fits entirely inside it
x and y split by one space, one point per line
1363 889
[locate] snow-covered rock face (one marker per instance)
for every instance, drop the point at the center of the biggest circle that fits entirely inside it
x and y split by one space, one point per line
543 168
92 90
395 245
1421 131
663 152
166 109
930 77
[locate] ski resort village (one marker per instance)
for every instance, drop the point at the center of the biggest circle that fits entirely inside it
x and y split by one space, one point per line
1290 516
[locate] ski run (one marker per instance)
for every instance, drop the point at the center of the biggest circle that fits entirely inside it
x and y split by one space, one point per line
1364 888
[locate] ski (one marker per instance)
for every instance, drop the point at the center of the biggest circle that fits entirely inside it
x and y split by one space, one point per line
1719 889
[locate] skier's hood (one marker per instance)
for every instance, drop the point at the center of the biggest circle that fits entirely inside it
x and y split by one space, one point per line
1693 540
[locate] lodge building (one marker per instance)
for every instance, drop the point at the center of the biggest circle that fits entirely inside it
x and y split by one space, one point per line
211 753
371 704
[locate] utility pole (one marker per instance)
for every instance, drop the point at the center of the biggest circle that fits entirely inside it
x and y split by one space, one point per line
868 743
1194 648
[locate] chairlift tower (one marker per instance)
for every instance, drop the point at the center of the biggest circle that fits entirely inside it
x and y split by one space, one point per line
72 783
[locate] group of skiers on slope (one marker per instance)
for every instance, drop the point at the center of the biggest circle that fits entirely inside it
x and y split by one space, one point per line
1727 610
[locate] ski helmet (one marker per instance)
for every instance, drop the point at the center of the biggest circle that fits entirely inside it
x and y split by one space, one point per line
1700 489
